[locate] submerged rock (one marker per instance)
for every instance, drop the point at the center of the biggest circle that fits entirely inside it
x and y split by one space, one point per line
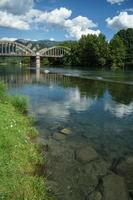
114 188
52 187
59 136
125 169
98 168
86 154
66 131
95 196
86 183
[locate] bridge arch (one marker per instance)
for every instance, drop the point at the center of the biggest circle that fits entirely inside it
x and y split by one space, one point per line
12 48
56 51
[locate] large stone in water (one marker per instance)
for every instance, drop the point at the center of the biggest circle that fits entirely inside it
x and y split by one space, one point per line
86 154
114 188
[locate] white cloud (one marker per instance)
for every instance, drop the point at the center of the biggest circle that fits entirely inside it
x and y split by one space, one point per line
80 26
19 14
56 16
75 27
129 10
122 21
115 1
8 39
52 39
12 21
16 6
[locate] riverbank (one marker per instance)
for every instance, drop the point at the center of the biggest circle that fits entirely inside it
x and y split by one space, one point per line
19 157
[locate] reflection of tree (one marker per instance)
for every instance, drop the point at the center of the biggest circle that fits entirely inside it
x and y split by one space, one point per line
90 88
121 93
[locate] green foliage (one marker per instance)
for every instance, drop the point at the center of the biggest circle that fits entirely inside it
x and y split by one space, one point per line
19 157
127 37
118 52
45 62
90 50
20 103
72 58
95 51
2 92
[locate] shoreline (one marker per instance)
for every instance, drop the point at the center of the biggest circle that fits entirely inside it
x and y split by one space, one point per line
19 156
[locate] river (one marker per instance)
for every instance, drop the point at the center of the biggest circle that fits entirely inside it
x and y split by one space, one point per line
85 120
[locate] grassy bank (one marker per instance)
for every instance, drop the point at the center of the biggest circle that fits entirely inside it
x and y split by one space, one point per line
18 156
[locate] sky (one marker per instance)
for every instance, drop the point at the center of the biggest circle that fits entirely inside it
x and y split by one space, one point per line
63 19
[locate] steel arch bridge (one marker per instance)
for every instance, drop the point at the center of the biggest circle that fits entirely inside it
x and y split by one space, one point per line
55 52
8 48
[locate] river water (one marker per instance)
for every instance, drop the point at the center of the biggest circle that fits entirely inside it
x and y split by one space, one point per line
95 107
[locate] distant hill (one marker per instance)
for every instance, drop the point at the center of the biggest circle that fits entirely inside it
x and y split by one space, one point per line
40 44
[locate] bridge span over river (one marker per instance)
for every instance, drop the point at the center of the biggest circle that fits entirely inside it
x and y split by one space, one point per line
15 49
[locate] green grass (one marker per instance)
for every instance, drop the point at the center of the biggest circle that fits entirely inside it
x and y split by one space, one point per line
20 103
18 156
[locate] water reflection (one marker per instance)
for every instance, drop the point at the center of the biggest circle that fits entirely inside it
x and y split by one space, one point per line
118 109
99 114
72 100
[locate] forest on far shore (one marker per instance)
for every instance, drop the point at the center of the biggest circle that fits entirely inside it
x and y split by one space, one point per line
96 51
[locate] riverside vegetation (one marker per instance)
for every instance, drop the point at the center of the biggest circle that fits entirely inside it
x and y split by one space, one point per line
96 51
90 51
19 157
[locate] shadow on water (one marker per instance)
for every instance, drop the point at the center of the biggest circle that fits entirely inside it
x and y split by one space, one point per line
85 119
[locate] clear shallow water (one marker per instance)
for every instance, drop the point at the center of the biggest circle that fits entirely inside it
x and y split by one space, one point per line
97 106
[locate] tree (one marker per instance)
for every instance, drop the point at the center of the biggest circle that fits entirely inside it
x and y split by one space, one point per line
94 50
117 52
127 37
72 58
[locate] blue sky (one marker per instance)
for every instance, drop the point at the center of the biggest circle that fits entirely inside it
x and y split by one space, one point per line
63 19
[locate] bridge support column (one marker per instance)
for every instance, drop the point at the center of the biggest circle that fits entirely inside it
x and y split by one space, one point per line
35 61
38 60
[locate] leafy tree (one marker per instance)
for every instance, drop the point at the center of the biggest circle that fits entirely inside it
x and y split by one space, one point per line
118 52
127 38
93 50
72 58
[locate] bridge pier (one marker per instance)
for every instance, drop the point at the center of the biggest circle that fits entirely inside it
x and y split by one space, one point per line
35 61
38 60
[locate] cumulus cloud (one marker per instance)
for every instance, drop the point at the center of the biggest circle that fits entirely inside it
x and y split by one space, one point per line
75 27
122 21
21 15
80 26
16 6
115 1
12 21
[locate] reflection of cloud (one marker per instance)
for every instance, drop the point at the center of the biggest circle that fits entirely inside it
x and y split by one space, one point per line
78 103
119 110
73 101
